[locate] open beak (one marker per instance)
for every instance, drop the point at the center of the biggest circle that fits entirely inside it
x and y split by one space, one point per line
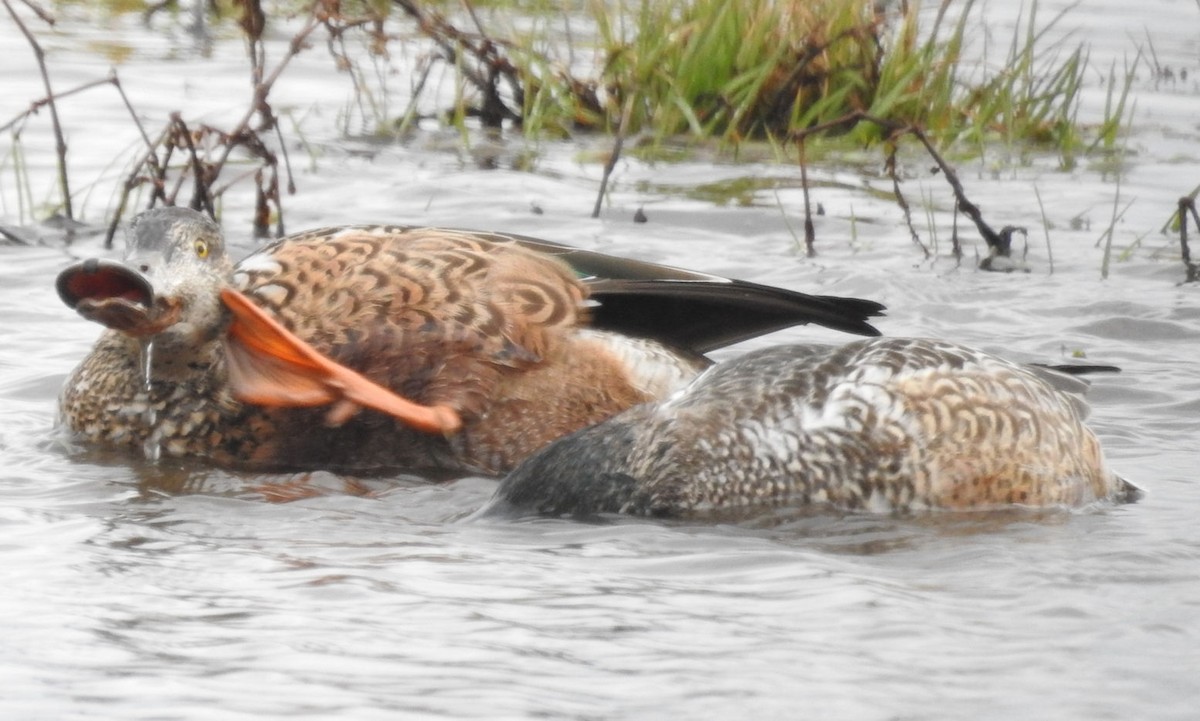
117 296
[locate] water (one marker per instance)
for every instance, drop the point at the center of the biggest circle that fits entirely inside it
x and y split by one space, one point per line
142 590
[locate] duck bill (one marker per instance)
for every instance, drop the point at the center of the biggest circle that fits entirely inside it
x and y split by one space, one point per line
117 296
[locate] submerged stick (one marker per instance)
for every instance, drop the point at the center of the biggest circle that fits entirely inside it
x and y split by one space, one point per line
955 241
1188 204
810 232
993 239
486 51
890 165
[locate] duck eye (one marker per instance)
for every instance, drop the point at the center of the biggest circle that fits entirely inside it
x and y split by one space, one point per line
201 249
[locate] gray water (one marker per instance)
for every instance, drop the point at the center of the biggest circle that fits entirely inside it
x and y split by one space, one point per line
139 590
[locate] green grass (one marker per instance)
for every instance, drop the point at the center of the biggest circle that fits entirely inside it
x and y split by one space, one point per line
736 71
732 71
14 162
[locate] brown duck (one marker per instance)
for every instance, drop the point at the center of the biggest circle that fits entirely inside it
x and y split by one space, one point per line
379 347
884 425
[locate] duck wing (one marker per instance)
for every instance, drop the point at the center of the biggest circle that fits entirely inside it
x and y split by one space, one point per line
696 311
704 315
432 316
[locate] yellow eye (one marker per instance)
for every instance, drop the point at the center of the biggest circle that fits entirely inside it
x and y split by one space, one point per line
201 249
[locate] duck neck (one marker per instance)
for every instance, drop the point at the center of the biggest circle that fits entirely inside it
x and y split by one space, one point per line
160 359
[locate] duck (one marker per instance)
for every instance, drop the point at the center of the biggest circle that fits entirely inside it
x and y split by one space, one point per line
370 348
879 425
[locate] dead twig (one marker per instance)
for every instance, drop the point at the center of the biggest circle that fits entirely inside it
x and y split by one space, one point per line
799 136
208 150
890 167
150 159
1187 205
955 242
59 141
493 111
810 230
998 244
37 105
618 144
37 10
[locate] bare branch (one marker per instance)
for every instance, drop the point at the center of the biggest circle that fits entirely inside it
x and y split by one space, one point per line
59 140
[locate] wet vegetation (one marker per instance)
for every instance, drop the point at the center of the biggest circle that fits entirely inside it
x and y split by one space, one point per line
788 79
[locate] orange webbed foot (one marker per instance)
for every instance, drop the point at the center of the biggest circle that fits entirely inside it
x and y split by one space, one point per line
270 366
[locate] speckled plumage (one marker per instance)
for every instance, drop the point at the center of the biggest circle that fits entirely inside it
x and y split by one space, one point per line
876 425
473 321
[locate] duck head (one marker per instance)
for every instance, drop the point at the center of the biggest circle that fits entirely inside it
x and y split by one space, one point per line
166 286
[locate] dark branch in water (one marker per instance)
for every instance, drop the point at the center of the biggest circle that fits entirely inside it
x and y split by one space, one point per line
956 243
42 14
37 105
1000 244
201 175
1187 205
810 231
150 159
846 121
487 52
208 149
890 165
618 144
157 182
129 106
59 141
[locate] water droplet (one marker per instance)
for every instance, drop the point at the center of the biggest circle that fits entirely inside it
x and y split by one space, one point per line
147 359
152 448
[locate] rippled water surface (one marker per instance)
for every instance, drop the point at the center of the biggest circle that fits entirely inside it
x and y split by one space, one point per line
164 591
